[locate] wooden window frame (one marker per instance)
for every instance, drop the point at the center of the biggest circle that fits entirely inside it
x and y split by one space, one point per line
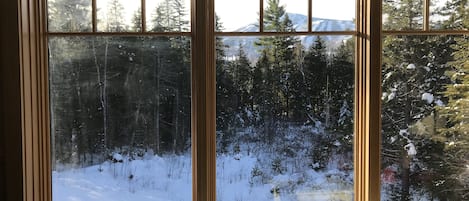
367 138
35 103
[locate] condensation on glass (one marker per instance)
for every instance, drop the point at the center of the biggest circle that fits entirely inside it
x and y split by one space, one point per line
285 118
120 118
424 118
69 15
120 106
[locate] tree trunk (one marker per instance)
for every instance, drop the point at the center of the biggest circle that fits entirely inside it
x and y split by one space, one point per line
156 108
405 178
176 124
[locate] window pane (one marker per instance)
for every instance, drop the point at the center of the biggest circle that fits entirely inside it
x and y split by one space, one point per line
402 14
120 118
69 15
285 118
119 15
237 16
280 14
449 14
425 114
333 15
168 15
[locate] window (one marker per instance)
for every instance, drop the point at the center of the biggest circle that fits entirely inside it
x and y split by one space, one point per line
423 118
121 40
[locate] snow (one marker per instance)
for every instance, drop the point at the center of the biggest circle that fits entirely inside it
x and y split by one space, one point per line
281 169
388 75
393 139
391 96
156 179
411 67
439 103
384 96
403 132
169 178
117 157
427 97
411 150
337 143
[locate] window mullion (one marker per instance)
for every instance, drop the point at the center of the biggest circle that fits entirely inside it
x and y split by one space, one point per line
367 101
143 12
426 15
261 16
94 11
203 100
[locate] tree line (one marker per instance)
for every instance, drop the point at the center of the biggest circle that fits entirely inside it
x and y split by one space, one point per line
133 93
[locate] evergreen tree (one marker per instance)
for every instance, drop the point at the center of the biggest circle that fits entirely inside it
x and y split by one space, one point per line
402 14
137 21
454 135
279 54
456 12
413 76
315 73
242 78
341 85
169 16
115 17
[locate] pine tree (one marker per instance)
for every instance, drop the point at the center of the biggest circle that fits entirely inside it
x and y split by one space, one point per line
454 136
456 12
413 76
115 17
341 85
315 73
402 14
226 95
279 54
137 21
241 75
169 16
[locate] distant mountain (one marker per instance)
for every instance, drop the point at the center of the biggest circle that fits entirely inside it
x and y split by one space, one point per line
300 23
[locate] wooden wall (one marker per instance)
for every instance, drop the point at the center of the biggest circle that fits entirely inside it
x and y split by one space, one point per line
10 104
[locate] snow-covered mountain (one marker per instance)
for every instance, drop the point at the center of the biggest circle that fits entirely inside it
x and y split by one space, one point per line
300 23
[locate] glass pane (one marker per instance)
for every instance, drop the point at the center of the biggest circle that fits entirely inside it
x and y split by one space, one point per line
168 15
119 15
285 118
333 15
120 118
285 16
449 14
402 14
425 118
69 15
238 16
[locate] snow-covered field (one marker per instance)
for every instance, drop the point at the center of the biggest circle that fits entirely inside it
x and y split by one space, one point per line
169 178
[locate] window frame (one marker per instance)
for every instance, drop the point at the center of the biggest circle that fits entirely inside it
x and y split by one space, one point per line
35 103
35 121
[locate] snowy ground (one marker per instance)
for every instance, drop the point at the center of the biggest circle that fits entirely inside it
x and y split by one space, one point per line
168 178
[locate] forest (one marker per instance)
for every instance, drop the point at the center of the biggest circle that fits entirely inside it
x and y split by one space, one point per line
284 119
